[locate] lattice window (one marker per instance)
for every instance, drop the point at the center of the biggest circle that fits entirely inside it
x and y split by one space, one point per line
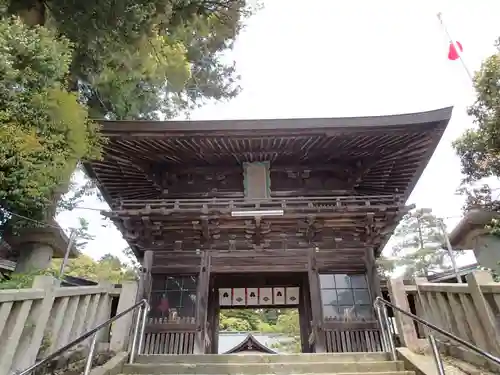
345 297
173 297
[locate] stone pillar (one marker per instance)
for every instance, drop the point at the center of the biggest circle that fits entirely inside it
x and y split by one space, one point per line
405 325
37 247
122 328
35 327
485 315
34 256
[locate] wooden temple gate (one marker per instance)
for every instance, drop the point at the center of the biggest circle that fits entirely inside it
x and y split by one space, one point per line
195 328
246 214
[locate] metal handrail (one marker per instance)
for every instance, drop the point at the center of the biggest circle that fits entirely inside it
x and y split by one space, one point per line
144 308
388 339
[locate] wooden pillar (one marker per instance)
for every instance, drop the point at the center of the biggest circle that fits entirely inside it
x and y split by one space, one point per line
213 319
305 316
202 339
316 306
372 276
145 279
406 327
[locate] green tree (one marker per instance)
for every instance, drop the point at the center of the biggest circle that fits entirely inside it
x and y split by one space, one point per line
288 323
107 268
44 130
270 316
479 147
251 317
385 266
152 57
285 322
418 247
227 323
63 62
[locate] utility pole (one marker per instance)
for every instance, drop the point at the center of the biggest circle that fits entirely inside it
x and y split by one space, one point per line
72 238
450 250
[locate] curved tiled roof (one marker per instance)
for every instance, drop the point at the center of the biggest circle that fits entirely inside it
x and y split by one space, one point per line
232 342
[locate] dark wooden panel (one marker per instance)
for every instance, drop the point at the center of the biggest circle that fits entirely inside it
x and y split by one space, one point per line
169 343
353 340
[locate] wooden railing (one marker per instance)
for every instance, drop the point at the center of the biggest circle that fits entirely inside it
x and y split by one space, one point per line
361 203
470 311
37 321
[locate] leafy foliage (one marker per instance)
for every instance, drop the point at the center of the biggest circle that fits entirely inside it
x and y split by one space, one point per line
288 323
79 187
109 268
44 130
22 280
136 58
479 148
63 62
233 320
285 322
385 266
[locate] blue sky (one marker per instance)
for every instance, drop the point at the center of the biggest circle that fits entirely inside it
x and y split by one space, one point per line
326 58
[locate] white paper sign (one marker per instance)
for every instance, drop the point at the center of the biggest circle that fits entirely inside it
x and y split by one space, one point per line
265 296
252 296
279 296
292 296
225 297
239 297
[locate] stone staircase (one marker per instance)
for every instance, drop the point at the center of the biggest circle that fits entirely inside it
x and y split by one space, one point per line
259 364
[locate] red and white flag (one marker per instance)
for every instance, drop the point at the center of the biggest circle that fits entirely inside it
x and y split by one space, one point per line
455 48
455 51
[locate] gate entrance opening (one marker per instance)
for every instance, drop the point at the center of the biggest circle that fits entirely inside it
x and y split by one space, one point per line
262 330
255 303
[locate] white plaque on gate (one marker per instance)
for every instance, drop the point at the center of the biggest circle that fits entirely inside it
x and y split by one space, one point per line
225 297
279 296
252 296
239 297
265 296
292 296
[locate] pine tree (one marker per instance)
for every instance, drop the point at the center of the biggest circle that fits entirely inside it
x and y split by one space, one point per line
419 244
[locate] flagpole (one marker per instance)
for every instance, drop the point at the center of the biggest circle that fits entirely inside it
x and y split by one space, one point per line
457 48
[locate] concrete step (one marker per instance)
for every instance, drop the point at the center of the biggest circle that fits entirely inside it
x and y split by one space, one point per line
263 358
341 373
285 368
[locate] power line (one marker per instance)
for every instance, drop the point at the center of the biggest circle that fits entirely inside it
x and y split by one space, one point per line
31 220
109 210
